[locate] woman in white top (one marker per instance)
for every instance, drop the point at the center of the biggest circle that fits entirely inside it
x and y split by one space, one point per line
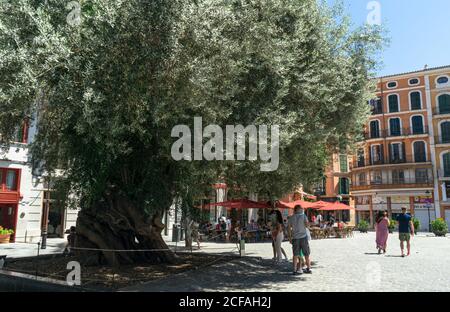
278 236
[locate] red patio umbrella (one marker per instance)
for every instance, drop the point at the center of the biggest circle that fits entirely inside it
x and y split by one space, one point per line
321 204
291 205
336 206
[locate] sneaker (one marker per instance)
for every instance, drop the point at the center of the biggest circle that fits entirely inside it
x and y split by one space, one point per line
297 273
307 271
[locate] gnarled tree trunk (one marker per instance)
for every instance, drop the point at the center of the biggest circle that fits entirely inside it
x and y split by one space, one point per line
120 229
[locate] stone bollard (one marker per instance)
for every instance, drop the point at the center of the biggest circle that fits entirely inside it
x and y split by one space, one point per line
242 247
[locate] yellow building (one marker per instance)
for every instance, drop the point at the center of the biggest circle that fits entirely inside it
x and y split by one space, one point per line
405 157
437 83
336 185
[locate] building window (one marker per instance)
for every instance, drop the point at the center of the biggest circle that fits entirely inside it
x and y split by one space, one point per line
398 177
343 162
413 82
21 133
361 158
445 132
393 103
376 177
374 129
442 80
417 125
396 151
444 104
419 152
392 85
344 186
447 189
362 179
446 164
376 154
9 179
377 106
415 99
421 175
394 126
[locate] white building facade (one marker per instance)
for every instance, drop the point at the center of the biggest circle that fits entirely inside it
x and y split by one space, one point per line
23 195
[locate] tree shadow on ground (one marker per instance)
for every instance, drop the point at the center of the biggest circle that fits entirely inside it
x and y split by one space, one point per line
234 275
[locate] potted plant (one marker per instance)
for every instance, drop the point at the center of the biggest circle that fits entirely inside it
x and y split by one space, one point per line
5 235
392 226
416 223
439 227
363 226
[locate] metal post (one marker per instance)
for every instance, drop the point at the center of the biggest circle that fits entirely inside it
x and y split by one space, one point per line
429 217
429 199
37 259
44 232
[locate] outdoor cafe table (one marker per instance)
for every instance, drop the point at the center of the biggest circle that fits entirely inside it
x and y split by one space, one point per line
251 235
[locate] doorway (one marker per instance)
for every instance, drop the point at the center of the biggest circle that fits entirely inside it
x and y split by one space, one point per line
56 217
8 217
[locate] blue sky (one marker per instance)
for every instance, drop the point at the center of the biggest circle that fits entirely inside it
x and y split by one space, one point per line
419 31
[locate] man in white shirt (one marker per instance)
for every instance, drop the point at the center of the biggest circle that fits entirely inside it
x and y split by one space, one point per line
319 219
298 236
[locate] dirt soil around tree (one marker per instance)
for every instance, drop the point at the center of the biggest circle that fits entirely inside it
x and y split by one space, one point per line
108 278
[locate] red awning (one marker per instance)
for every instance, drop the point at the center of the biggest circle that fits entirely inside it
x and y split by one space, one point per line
336 206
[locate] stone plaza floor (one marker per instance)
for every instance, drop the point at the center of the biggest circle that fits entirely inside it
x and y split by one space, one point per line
21 250
350 265
339 265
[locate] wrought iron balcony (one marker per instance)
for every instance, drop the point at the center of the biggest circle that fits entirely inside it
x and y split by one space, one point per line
382 134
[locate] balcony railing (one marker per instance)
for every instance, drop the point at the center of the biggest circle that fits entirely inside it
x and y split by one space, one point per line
377 110
391 183
442 139
404 159
442 173
437 111
382 134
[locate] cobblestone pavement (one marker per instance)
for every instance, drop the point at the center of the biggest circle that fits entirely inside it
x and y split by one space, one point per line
339 265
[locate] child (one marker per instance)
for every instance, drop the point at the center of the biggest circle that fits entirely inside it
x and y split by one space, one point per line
238 229
70 241
302 263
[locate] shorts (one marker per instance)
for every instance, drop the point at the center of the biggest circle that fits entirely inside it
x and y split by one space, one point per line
404 237
300 247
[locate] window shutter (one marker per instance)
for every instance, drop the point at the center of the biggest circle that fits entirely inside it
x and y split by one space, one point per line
391 159
382 153
403 158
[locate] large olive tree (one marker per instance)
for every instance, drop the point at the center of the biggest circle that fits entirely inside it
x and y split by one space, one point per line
107 89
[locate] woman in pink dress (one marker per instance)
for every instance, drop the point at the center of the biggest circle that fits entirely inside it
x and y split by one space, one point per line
382 229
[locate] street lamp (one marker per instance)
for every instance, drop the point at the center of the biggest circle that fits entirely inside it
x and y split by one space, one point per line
428 200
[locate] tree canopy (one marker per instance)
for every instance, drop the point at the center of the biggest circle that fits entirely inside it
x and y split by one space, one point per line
106 93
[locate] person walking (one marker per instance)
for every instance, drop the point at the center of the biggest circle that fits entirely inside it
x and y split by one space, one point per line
319 219
228 228
382 230
405 230
278 237
195 235
298 237
276 225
